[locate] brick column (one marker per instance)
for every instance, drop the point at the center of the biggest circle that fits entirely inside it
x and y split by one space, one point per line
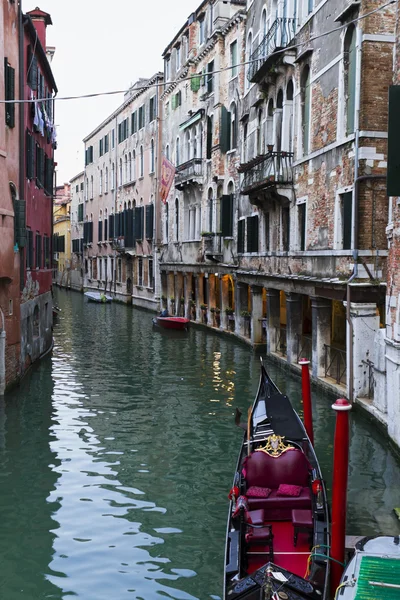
321 333
256 314
294 326
273 318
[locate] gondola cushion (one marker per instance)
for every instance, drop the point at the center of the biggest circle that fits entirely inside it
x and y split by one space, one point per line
289 490
280 507
258 492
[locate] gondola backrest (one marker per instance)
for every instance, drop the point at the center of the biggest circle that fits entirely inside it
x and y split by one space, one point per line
291 467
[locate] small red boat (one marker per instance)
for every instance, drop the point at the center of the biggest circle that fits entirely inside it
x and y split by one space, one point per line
172 322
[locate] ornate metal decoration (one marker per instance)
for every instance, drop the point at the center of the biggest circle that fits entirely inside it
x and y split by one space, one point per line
275 446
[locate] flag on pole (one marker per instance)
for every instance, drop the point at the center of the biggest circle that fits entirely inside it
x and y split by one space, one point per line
167 177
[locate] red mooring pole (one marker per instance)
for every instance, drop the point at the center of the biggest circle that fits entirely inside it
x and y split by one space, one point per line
339 490
306 390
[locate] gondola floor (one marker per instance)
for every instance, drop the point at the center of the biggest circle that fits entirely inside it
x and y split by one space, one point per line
286 555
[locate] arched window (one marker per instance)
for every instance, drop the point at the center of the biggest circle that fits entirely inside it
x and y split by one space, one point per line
126 169
101 183
141 161
278 121
305 108
187 144
152 159
244 149
91 187
259 141
87 189
233 135
120 172
134 165
263 33
105 237
130 166
287 143
106 181
176 219
350 59
209 143
178 152
112 176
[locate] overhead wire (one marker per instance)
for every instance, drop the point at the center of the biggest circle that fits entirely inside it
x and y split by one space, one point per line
208 74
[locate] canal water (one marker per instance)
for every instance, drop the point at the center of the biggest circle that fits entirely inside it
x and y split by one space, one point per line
117 454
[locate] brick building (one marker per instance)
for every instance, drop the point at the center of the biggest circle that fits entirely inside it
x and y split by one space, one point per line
121 187
314 137
201 106
12 210
38 150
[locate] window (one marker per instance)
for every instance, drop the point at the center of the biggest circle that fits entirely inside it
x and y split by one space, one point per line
113 138
126 172
39 166
267 232
38 251
151 274
120 172
9 80
210 209
210 78
176 219
141 161
113 176
149 221
89 155
178 152
227 215
30 155
247 58
209 143
285 228
140 271
176 100
301 221
130 167
100 228
178 57
241 236
134 165
167 151
201 32
234 59
152 109
106 181
101 183
252 234
344 220
106 143
305 108
233 134
350 60
166 221
225 131
167 69
152 158
101 147
141 117
134 122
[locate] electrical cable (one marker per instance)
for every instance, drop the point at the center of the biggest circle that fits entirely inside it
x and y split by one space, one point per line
208 74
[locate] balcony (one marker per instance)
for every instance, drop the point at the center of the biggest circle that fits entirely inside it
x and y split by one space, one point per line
280 34
189 172
119 244
267 172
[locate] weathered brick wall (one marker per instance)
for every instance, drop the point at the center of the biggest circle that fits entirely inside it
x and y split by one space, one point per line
376 76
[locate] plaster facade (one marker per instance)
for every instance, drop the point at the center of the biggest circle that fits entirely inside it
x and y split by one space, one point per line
62 236
77 217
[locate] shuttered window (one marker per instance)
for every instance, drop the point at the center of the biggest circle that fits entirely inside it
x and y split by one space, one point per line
46 251
9 93
48 175
20 223
252 234
152 109
149 221
111 227
30 155
227 215
141 117
80 213
225 132
393 168
139 218
105 230
241 234
39 166
38 251
347 209
100 232
134 122
129 232
32 70
29 249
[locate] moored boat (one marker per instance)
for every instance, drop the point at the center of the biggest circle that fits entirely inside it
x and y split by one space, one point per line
277 542
100 297
172 322
373 572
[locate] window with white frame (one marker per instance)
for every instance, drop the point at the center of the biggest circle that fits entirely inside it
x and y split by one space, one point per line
349 71
91 187
178 152
113 176
101 183
305 94
134 165
201 31
344 219
106 181
141 161
130 166
301 234
152 157
120 172
234 58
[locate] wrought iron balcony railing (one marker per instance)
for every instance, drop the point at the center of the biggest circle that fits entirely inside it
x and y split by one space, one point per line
270 170
279 35
191 170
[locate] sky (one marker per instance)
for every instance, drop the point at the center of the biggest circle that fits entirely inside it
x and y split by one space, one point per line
102 46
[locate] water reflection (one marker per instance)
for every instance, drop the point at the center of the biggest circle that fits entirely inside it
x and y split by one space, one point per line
116 457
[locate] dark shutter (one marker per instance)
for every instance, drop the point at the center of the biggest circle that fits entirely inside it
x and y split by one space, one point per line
80 213
139 218
85 232
252 234
91 231
241 233
225 133
29 249
393 166
209 137
111 227
100 232
20 222
227 215
105 229
9 77
149 221
29 155
347 219
128 228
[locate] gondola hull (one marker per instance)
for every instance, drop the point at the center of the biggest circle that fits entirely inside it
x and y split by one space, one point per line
178 323
278 521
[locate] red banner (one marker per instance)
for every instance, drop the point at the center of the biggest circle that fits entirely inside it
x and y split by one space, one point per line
167 177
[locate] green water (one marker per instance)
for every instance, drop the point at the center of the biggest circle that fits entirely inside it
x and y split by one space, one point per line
117 454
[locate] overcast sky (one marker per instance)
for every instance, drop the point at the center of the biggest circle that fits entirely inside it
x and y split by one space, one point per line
102 46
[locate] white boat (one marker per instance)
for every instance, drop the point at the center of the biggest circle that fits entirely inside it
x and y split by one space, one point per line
374 571
100 297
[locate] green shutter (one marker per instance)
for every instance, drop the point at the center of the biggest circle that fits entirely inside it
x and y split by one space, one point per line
149 221
20 222
225 131
195 83
393 167
173 102
227 215
252 234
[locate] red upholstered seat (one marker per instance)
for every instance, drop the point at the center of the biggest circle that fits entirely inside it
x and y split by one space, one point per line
257 516
302 518
291 467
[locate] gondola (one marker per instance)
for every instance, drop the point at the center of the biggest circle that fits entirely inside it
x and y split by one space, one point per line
99 297
374 570
277 540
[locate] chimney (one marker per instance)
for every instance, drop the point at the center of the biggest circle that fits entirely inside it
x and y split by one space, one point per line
40 20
